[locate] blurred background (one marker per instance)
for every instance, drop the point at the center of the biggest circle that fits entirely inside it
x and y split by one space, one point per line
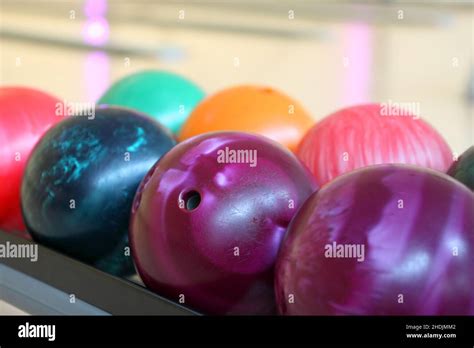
327 54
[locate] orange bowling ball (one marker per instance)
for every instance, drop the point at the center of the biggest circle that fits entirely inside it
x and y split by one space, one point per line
254 109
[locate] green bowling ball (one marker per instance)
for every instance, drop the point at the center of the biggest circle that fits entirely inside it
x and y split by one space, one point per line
463 168
167 97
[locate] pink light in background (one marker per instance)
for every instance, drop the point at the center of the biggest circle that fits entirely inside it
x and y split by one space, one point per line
358 50
96 27
95 8
96 74
96 64
96 31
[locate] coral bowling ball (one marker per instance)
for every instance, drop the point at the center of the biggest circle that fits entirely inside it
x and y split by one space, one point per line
80 182
383 240
208 219
167 97
254 109
363 135
463 169
25 115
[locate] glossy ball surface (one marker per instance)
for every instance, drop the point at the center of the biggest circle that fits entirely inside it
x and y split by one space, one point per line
205 230
382 240
463 169
167 97
80 182
369 134
255 109
25 115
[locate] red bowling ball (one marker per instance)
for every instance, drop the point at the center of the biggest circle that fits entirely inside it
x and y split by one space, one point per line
208 219
383 240
363 135
25 115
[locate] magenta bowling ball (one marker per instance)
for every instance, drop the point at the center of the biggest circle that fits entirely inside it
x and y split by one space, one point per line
383 240
209 217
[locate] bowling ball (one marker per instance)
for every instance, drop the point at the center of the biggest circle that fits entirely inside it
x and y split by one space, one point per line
208 219
383 240
463 169
255 109
25 114
167 97
363 135
80 181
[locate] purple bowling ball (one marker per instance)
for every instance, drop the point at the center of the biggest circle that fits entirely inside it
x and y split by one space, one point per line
383 240
209 217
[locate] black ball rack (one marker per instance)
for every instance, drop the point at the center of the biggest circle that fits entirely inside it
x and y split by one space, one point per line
47 286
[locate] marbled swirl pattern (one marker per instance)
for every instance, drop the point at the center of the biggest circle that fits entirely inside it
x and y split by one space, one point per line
192 252
98 164
364 135
417 228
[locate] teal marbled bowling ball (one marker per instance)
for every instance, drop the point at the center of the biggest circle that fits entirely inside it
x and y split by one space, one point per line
81 179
